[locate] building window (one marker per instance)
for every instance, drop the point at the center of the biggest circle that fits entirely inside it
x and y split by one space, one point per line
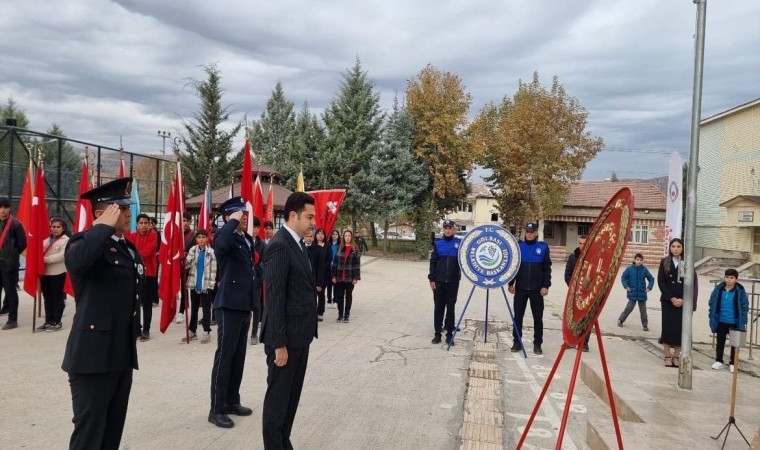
465 207
583 229
548 230
462 228
639 234
494 217
756 240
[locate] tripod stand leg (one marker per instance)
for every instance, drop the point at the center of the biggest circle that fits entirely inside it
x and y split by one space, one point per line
514 324
740 432
485 339
540 400
569 399
461 316
608 382
721 432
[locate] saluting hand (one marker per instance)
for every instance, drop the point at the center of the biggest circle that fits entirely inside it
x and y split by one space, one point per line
237 215
110 216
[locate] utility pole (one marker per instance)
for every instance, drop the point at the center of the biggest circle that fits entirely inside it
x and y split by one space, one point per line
686 369
164 135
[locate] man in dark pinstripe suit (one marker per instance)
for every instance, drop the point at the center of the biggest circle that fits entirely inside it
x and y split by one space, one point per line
290 319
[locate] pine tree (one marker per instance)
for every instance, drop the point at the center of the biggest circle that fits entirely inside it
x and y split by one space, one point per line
272 134
206 147
401 177
307 151
353 122
11 110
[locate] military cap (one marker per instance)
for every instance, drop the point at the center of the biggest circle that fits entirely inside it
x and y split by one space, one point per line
118 191
232 205
449 223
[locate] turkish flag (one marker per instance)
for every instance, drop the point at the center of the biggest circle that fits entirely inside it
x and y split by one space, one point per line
204 222
82 214
172 252
38 231
24 212
269 211
246 185
326 207
258 205
122 169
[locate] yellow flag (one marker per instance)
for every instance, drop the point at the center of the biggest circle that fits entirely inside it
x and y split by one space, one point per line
299 182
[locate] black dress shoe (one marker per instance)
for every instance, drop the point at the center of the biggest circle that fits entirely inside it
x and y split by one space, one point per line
515 348
436 339
220 420
238 410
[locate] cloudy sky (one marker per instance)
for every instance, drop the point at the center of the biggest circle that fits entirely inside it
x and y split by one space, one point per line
103 69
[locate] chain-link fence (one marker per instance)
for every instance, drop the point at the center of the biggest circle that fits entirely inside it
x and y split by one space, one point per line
62 159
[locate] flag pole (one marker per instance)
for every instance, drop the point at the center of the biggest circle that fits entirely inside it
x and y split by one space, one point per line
34 309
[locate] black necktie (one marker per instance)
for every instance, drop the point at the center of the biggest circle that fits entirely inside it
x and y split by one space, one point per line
124 246
305 252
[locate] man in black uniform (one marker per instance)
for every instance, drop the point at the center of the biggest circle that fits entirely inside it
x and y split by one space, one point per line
235 297
107 275
258 307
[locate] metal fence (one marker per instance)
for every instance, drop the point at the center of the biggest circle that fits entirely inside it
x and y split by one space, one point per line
63 167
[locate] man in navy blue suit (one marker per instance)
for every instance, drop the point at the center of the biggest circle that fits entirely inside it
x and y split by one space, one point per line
235 297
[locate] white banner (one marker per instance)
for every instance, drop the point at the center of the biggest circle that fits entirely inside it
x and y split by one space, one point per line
674 211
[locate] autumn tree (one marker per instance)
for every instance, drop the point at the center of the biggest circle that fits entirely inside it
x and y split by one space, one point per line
206 147
438 105
535 144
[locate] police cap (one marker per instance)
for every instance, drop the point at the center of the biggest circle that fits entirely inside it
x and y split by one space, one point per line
118 191
232 205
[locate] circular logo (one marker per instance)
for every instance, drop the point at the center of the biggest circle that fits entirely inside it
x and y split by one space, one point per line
489 256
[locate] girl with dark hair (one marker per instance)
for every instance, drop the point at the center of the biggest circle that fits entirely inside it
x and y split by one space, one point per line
345 274
320 254
333 246
55 275
670 281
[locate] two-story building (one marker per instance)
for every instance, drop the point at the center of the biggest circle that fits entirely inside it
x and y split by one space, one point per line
728 184
582 206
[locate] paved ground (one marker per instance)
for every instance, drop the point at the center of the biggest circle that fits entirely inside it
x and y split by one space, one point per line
378 383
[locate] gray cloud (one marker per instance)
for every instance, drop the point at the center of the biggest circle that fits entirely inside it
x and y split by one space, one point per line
102 69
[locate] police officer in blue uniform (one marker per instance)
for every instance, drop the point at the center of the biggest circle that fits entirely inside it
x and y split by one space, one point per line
236 295
444 279
532 282
107 275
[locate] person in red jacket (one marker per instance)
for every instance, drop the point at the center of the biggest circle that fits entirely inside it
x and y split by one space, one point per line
146 241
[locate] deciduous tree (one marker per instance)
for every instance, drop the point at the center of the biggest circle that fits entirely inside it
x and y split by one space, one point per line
535 144
438 104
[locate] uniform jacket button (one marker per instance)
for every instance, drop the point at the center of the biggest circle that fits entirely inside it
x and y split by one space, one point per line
137 296
92 327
